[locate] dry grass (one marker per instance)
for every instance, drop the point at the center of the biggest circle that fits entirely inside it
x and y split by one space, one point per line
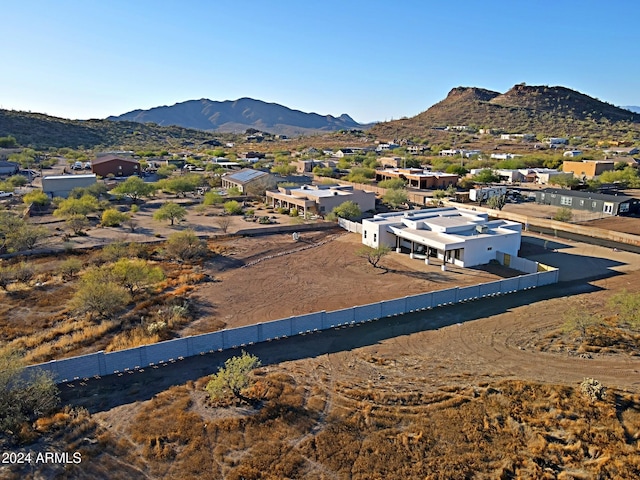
512 429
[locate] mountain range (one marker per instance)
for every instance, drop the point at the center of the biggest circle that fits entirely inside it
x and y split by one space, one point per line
543 110
548 110
239 115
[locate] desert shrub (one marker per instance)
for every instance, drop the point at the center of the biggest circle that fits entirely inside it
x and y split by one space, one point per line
134 208
293 212
282 210
37 198
395 197
111 217
349 210
393 183
593 389
77 223
212 198
563 214
233 377
22 400
23 272
185 246
69 268
99 294
232 207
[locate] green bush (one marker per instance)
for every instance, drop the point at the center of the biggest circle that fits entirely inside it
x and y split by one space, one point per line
36 197
232 207
212 198
113 218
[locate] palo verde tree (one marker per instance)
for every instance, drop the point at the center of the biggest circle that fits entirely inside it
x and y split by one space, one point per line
170 211
99 293
395 197
349 210
373 255
233 378
135 188
135 274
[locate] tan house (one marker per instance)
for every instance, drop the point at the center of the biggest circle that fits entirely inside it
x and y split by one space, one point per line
418 178
587 169
320 199
393 162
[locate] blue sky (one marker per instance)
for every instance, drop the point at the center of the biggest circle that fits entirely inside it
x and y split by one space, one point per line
374 60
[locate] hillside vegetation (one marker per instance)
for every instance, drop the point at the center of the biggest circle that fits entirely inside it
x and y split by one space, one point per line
543 110
42 131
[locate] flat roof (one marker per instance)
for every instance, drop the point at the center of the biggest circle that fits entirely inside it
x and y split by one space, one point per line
589 195
61 177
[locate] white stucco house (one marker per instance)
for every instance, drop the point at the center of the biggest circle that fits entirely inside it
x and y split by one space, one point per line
458 236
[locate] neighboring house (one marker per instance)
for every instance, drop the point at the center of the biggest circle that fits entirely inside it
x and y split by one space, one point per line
450 152
243 179
527 137
572 153
589 201
543 175
9 168
61 185
621 151
418 177
587 169
320 199
416 149
307 166
524 175
462 237
557 141
504 156
251 155
115 165
382 147
393 162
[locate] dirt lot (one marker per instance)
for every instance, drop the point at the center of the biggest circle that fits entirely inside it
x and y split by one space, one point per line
387 399
326 277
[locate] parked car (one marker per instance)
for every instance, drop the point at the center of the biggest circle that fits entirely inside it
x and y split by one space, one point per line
77 166
87 165
4 194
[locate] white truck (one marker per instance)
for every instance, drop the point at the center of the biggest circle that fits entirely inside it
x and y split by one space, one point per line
4 194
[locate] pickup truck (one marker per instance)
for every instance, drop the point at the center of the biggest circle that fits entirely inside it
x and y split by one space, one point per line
5 194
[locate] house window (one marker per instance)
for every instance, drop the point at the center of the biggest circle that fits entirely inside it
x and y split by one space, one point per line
582 203
565 200
365 234
594 204
608 208
375 237
489 248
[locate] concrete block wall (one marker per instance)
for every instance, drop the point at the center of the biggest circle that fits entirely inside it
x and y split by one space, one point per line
100 363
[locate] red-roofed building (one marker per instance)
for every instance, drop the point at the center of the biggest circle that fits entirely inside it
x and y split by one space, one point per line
117 166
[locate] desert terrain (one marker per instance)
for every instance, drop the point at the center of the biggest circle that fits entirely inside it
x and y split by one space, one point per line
478 390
